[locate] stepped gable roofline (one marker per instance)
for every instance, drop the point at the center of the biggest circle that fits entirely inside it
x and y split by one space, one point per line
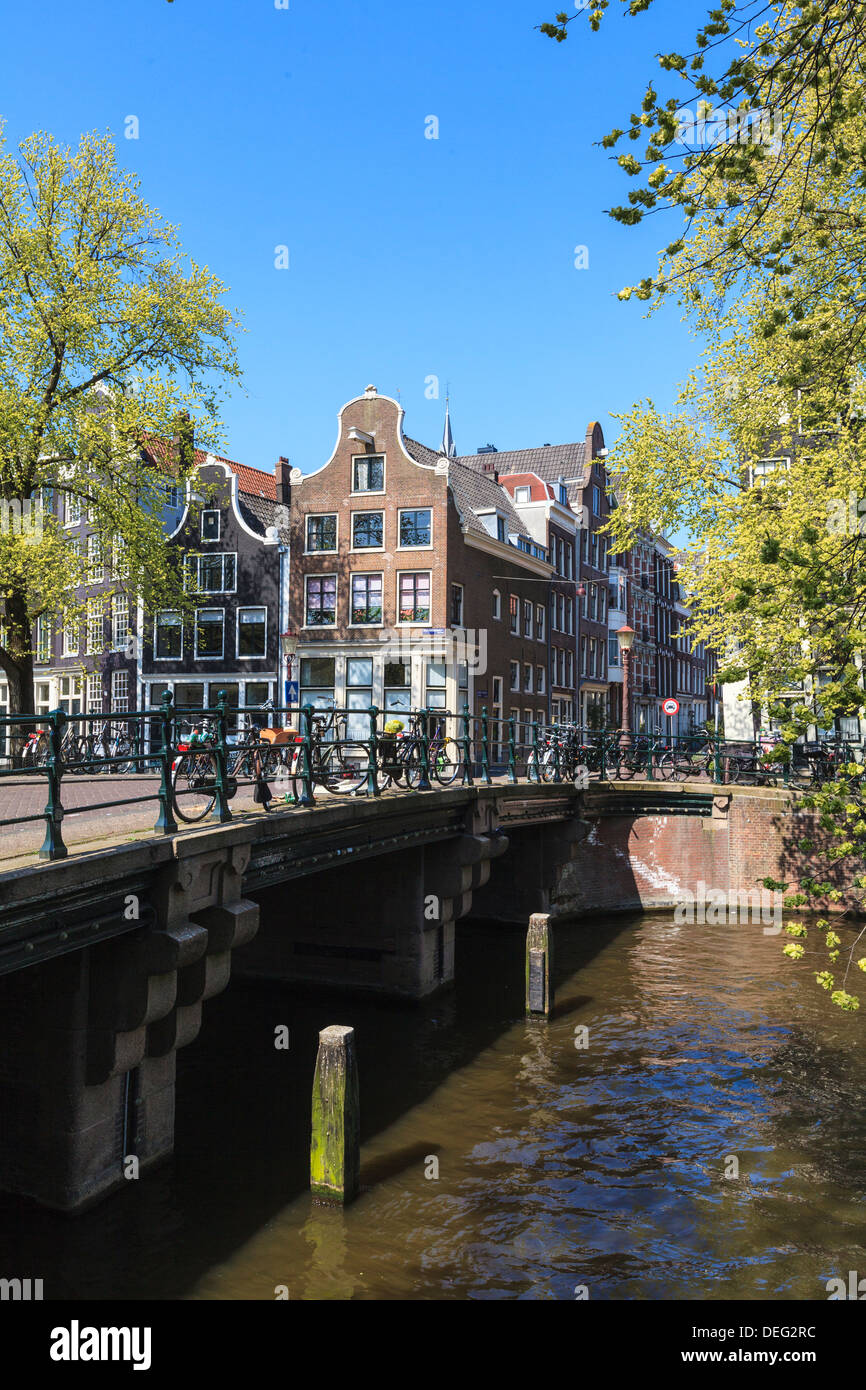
371 394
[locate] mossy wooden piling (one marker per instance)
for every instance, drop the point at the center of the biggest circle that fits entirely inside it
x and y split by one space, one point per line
539 966
335 1146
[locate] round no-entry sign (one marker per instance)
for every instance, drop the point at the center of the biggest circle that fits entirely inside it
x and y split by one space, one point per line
671 706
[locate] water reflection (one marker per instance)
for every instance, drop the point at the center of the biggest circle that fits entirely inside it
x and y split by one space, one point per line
558 1165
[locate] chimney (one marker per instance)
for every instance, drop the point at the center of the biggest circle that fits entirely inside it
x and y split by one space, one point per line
284 486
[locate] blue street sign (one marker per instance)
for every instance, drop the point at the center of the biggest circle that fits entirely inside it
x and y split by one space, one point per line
291 692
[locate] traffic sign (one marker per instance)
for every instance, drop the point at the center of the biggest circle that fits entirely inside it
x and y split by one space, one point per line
671 706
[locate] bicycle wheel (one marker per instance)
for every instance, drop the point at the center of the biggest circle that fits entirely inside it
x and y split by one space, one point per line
446 760
123 749
343 768
193 785
412 766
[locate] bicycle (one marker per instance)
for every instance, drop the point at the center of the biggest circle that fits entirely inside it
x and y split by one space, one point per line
339 765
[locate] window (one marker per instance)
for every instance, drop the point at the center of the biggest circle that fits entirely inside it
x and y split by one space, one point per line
523 494
456 605
209 632
527 618
515 675
120 690
583 656
172 495
527 678
368 530
121 558
398 693
366 600
210 526
414 598
497 604
168 637
43 640
256 694
317 681
596 501
613 651
93 693
214 574
95 567
321 600
95 615
322 532
74 509
252 632
514 612
539 621
119 621
415 528
70 639
501 531
539 679
368 473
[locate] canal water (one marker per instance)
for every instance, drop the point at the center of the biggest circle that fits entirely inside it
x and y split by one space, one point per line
690 1125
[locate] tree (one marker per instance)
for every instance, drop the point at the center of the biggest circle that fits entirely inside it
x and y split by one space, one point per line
761 155
107 332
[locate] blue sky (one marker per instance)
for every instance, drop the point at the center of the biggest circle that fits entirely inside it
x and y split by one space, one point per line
409 257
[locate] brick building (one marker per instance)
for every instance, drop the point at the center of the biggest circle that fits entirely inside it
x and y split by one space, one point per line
413 580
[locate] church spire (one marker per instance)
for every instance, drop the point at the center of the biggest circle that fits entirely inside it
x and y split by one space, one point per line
449 448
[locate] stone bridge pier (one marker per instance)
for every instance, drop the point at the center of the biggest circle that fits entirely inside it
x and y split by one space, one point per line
88 1039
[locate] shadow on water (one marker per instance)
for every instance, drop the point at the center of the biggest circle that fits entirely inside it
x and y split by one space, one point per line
243 1113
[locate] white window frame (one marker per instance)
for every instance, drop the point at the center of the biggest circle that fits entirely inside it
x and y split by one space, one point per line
160 613
71 639
210 540
210 555
196 654
369 492
248 608
366 574
116 601
365 549
540 622
320 516
414 622
321 627
430 544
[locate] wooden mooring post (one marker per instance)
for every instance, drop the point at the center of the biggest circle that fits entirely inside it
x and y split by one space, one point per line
539 966
335 1145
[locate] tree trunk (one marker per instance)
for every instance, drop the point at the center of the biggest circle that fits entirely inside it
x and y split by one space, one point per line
16 661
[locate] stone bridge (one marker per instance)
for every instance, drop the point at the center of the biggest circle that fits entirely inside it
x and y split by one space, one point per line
106 959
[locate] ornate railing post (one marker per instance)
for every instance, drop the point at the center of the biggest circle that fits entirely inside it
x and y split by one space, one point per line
536 752
221 811
717 759
466 740
306 797
165 821
373 788
424 744
53 846
512 755
557 767
485 748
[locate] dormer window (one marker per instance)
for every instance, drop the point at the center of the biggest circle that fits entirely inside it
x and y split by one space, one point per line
501 529
210 526
523 494
368 473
